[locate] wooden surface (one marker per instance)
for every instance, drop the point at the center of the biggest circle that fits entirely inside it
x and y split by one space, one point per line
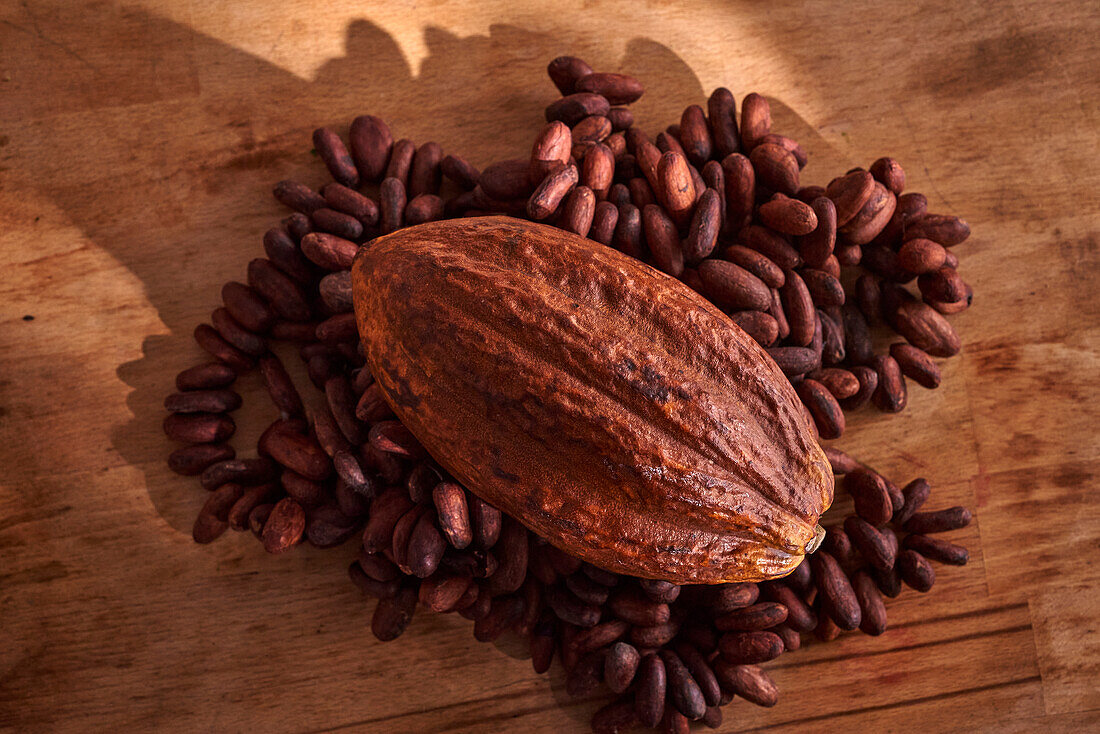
138 145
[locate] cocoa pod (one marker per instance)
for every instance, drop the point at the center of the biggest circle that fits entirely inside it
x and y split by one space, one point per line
284 527
740 191
872 609
649 696
872 500
775 167
731 286
938 550
617 89
788 216
759 616
836 591
198 427
890 395
756 120
750 648
916 571
940 521
849 194
870 543
823 407
944 229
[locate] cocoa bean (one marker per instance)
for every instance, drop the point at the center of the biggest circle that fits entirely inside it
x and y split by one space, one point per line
940 521
916 571
841 603
872 609
938 550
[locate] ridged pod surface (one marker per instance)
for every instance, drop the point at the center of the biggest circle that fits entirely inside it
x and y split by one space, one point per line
603 404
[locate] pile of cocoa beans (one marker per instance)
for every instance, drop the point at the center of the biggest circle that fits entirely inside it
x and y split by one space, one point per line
714 201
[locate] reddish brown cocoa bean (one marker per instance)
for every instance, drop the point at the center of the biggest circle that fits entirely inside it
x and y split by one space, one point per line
198 427
618 89
760 326
385 511
246 307
916 364
945 229
872 218
731 286
824 408
794 360
426 547
513 559
840 383
756 120
872 500
926 329
548 195
336 223
890 174
341 402
799 308
849 194
759 616
631 605
628 231
834 587
283 294
209 376
791 640
192 460
870 543
740 192
454 519
393 614
424 208
573 108
280 387
578 211
776 168
663 241
586 589
705 224
675 188
570 609
284 527
756 263
641 195
241 510
620 666
651 638
394 438
564 71
872 609
723 124
683 692
788 216
825 289
245 472
749 682
297 452
799 616
816 246
890 395
839 545
938 550
371 142
424 171
550 151
750 648
601 635
649 696
916 571
915 493
212 342
392 202
203 401
701 672
487 523
695 135
585 676
868 383
940 521
297 196
350 202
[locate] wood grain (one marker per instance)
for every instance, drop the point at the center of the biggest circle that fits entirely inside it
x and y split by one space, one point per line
138 145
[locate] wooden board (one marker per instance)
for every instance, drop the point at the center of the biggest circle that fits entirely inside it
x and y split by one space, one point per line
138 145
